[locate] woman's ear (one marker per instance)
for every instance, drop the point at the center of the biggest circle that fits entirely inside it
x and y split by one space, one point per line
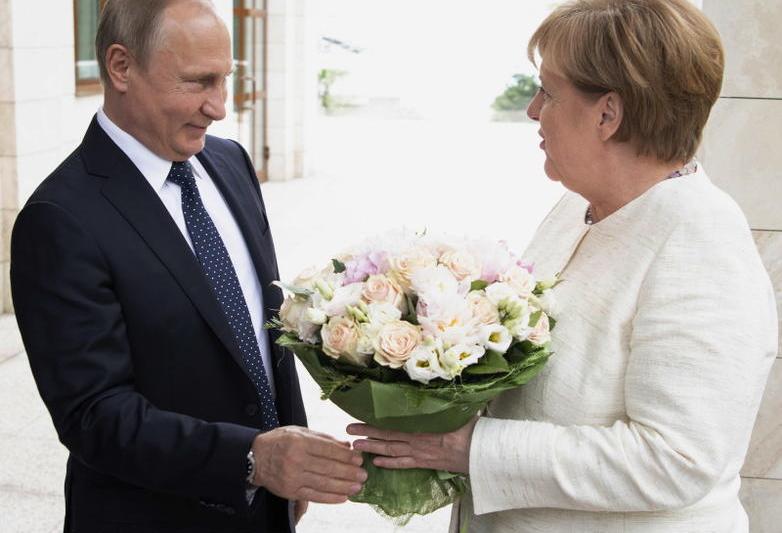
611 110
118 62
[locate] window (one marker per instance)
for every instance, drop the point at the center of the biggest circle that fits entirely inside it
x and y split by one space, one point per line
85 16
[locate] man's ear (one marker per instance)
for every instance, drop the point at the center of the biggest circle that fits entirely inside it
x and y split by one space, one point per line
118 63
611 110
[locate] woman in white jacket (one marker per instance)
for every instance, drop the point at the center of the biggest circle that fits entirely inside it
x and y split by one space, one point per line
666 322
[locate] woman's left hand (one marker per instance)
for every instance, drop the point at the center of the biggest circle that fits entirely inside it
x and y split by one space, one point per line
439 451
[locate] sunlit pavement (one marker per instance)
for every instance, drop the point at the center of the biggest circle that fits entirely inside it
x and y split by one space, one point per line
477 178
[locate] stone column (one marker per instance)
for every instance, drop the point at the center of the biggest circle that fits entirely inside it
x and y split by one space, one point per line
288 83
7 150
742 154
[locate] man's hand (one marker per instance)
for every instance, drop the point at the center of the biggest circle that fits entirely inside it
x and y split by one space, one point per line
439 451
296 463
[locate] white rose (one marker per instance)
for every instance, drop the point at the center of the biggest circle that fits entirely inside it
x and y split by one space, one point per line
463 265
340 341
460 356
424 364
519 279
501 292
496 337
540 333
381 289
395 342
293 316
431 281
402 265
483 310
381 314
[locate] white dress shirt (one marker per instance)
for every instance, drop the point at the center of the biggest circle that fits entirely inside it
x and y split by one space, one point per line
640 421
155 169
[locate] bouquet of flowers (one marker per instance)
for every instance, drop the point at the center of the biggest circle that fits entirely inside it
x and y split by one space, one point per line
415 333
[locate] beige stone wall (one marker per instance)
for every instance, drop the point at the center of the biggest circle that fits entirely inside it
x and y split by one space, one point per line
7 144
741 152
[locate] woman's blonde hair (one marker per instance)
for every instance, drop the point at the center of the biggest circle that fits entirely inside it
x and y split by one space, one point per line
662 57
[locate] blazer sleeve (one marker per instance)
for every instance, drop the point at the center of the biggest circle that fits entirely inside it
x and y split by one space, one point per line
703 340
74 334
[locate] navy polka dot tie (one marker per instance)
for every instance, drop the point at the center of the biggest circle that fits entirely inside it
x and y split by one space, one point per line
216 262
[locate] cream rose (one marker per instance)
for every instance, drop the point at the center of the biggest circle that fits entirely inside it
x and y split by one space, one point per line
340 338
483 310
541 332
463 265
395 343
519 279
403 265
382 290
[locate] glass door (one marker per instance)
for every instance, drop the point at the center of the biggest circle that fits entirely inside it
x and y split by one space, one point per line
250 24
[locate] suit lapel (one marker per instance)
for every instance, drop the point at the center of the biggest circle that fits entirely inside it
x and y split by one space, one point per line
130 193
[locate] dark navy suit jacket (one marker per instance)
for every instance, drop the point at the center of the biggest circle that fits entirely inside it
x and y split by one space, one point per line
132 354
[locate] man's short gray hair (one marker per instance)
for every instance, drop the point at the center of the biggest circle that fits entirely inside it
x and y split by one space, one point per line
135 24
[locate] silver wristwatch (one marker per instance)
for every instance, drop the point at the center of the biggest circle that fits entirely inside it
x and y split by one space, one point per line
250 467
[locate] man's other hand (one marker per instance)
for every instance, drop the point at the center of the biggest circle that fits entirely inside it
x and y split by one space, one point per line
296 463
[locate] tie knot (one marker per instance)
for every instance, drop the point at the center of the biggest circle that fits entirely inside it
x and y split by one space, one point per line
181 173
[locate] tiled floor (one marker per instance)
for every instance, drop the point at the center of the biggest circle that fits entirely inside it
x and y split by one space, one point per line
477 179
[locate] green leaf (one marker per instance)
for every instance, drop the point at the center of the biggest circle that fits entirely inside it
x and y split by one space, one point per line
491 363
551 323
298 291
534 317
478 285
339 266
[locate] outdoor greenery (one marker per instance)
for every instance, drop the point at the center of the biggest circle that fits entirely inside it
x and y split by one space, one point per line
326 78
517 94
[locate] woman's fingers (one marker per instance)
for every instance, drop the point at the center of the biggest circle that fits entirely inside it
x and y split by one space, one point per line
384 447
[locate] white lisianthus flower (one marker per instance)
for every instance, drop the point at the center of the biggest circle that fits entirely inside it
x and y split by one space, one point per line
403 265
462 264
293 314
316 316
381 289
458 357
519 279
342 297
483 310
366 338
540 333
424 364
340 341
395 343
496 337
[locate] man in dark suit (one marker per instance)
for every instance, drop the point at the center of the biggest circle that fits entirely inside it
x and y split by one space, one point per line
141 276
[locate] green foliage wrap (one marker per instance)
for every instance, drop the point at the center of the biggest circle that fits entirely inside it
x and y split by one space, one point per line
377 397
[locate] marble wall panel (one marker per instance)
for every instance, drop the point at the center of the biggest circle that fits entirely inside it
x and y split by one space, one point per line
761 498
741 154
750 37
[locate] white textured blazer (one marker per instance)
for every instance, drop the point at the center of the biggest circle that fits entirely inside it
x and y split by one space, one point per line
640 422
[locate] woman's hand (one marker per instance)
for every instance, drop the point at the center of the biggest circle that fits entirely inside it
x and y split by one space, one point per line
439 451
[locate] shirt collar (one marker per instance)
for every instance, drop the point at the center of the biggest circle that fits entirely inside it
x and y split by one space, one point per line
153 167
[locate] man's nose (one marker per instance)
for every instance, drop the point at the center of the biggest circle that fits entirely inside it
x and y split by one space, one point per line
214 106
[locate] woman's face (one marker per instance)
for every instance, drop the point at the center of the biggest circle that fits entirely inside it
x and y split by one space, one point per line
569 123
